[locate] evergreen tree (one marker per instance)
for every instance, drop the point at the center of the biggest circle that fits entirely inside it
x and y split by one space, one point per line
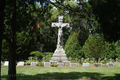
94 46
72 46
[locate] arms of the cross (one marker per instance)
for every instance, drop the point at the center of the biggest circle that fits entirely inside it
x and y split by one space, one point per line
60 25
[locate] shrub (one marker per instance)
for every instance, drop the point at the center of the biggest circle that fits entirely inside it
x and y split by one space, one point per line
40 64
27 63
102 61
53 65
36 54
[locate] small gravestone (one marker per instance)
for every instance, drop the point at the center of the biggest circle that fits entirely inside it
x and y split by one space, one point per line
70 59
36 59
82 59
6 63
116 59
99 60
20 63
60 64
93 59
110 60
110 65
105 60
73 64
113 60
33 64
66 62
43 59
87 60
46 64
85 64
76 59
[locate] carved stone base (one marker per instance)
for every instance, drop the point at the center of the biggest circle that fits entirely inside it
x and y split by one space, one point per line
59 54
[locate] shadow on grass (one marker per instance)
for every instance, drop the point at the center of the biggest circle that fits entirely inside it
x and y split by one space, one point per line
70 75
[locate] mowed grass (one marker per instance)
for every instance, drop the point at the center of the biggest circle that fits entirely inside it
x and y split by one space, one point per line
38 73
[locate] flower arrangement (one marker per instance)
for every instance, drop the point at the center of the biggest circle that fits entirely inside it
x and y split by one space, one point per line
60 60
96 64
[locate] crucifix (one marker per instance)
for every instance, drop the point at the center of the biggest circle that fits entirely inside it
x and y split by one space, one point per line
60 25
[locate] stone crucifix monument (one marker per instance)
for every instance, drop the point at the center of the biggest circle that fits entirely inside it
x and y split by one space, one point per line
59 52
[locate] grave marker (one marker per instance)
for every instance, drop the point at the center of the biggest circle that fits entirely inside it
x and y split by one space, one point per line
110 65
20 63
6 63
85 64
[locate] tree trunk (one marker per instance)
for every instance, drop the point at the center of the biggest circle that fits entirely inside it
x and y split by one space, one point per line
2 6
12 44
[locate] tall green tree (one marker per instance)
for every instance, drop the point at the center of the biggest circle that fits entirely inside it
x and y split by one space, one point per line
94 46
107 13
72 46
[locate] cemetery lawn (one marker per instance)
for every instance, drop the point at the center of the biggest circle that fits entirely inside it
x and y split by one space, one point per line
38 73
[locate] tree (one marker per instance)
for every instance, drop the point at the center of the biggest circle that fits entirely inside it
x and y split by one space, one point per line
94 46
107 13
2 6
72 46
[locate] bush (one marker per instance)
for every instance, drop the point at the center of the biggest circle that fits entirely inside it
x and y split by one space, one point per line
36 54
27 63
91 61
103 62
53 65
40 64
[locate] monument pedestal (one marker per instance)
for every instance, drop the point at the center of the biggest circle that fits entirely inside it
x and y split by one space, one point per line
59 54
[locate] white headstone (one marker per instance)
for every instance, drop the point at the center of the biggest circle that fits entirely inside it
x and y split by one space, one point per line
6 63
85 64
20 63
33 63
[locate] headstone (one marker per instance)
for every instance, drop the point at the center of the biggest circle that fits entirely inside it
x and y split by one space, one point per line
110 60
85 64
82 59
73 64
6 63
87 60
43 59
70 59
113 60
116 59
99 60
105 60
46 64
33 63
60 64
93 59
110 65
76 59
59 52
30 58
20 63
66 62
36 59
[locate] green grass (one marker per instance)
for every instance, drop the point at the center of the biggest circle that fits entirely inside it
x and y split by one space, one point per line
37 73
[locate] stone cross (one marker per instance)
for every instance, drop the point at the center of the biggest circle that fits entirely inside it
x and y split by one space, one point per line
76 59
99 60
70 58
105 60
116 59
60 25
110 60
30 58
43 59
36 59
93 60
87 60
82 59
